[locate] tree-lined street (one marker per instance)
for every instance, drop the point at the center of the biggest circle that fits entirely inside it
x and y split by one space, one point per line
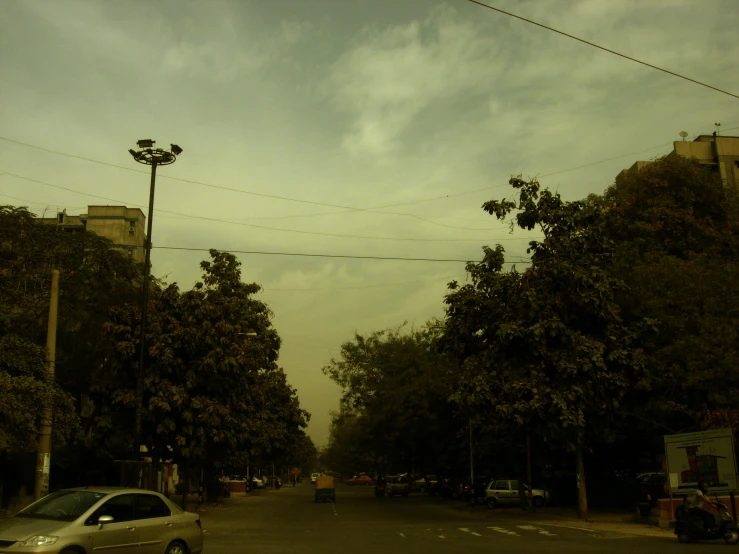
289 521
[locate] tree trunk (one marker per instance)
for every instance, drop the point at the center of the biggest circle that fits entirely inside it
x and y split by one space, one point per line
582 493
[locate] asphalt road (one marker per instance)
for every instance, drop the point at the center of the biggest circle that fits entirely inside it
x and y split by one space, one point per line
289 521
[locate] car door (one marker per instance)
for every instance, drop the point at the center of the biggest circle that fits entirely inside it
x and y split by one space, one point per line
513 493
122 534
155 523
500 490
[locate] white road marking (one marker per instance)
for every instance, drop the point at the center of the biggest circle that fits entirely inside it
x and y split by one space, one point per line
540 530
569 527
476 534
334 507
442 537
463 529
402 535
505 531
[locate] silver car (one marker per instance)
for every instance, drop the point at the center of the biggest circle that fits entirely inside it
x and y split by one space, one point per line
505 491
86 520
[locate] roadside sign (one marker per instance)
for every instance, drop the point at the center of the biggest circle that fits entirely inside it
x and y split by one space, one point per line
707 456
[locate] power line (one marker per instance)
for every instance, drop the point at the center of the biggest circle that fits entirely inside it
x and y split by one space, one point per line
603 48
348 256
384 285
252 225
260 194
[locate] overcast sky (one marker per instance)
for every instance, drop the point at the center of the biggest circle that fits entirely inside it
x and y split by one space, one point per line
355 103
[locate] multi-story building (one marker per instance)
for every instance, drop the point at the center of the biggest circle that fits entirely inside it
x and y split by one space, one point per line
721 153
123 226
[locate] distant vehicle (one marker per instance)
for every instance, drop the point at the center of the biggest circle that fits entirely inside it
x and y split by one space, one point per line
360 480
314 476
257 483
505 492
102 519
236 478
427 483
398 484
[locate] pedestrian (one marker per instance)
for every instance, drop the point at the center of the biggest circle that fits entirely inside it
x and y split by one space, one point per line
523 492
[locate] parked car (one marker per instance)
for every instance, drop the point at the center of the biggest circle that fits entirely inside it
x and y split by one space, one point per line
102 518
365 480
652 487
426 483
505 491
397 484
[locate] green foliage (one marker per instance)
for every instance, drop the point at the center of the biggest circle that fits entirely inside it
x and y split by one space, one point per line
213 395
24 391
546 348
395 402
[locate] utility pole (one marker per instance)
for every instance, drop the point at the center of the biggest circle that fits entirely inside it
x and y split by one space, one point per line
528 470
43 458
472 468
147 155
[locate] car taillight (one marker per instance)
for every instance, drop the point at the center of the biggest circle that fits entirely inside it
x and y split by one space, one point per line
198 522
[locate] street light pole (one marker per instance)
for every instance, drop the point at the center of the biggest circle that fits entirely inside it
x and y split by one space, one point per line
147 155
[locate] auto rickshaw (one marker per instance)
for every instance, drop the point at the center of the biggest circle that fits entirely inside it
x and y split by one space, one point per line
325 490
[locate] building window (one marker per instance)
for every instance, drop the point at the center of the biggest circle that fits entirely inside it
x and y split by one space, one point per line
61 217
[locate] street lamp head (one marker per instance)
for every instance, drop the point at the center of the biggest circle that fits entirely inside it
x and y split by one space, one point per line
145 143
133 153
176 150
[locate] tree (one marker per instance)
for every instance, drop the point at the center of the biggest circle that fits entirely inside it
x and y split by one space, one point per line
395 403
24 391
676 230
546 349
214 396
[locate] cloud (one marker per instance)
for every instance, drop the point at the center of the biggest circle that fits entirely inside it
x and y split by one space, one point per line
390 76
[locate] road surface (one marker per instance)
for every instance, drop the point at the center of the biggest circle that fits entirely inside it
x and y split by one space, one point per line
288 521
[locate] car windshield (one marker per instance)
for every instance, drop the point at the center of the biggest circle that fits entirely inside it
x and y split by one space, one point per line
62 505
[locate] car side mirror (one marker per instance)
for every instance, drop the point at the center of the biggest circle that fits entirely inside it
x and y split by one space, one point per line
102 520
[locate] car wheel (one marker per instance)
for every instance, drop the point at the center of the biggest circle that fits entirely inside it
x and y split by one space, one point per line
491 503
683 536
176 547
350 484
422 489
538 502
731 537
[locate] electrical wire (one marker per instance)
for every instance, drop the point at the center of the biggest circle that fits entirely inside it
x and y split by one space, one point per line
243 191
268 289
348 256
252 225
573 37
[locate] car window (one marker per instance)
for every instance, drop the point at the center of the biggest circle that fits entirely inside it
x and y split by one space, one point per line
120 508
501 486
514 485
149 506
62 506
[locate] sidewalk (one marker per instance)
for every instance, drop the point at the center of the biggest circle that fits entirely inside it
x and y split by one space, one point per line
615 522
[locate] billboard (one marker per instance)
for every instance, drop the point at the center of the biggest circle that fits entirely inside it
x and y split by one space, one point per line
706 456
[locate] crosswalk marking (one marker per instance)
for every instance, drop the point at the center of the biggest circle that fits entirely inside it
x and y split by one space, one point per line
505 531
463 529
442 537
476 534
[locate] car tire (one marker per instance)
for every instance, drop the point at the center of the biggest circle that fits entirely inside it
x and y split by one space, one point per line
683 536
491 503
731 537
422 489
350 484
176 547
538 502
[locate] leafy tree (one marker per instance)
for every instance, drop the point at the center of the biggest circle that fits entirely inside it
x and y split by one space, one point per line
546 349
214 396
676 230
395 404
24 391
